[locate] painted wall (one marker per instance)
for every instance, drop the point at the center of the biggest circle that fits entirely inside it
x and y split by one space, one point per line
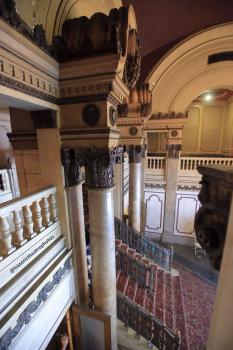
208 129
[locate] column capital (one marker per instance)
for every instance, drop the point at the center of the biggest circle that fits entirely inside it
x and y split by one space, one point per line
98 163
136 153
173 150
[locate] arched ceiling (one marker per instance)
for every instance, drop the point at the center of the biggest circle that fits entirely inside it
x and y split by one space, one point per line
163 23
52 13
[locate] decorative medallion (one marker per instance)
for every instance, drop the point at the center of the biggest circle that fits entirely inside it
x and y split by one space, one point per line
174 133
112 116
133 131
91 114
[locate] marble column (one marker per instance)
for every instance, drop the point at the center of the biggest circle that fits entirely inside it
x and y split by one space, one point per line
142 193
77 226
73 184
135 184
172 167
99 179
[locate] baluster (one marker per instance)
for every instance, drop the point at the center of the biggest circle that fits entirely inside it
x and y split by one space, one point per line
37 217
28 223
53 207
5 237
18 238
45 212
181 164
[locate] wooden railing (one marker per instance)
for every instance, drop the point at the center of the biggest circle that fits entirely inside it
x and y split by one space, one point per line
160 255
139 271
145 324
23 218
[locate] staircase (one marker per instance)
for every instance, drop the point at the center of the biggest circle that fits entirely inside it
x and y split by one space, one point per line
164 300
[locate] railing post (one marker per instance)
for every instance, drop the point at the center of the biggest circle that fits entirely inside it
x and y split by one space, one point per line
53 207
45 212
27 214
6 237
18 238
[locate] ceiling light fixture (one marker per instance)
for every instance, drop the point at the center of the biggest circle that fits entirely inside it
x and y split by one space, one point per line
208 97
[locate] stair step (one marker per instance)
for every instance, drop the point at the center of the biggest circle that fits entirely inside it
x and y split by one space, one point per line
131 288
121 282
180 323
160 296
169 306
124 247
118 243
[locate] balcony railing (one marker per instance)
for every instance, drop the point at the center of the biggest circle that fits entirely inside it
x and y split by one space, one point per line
23 218
156 166
160 255
146 325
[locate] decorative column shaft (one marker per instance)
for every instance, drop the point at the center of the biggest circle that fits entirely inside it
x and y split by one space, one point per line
172 162
135 184
77 226
99 165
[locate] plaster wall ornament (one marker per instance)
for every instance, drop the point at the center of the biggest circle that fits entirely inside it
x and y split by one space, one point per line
30 311
171 115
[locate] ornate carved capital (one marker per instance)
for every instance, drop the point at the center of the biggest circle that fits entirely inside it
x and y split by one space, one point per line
98 163
136 153
71 167
173 150
211 219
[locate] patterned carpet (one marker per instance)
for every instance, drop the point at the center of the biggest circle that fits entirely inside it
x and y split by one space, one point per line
198 299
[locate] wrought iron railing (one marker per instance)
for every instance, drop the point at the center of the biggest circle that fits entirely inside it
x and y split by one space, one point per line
146 325
143 245
137 270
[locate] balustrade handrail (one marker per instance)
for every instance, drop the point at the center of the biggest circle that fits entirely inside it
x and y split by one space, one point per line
191 163
138 270
160 255
23 218
146 324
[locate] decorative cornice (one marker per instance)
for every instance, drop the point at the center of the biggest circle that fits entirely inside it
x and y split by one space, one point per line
23 140
188 188
157 186
173 150
26 316
171 115
27 89
135 153
98 163
112 37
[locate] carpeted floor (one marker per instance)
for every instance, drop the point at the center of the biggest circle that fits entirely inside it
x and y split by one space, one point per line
198 299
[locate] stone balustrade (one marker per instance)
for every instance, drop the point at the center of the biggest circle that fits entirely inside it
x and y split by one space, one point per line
156 167
24 218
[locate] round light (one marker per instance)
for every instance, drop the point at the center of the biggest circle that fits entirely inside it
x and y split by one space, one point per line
208 97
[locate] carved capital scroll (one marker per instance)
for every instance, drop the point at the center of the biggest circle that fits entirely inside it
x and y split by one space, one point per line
173 150
211 219
136 153
98 163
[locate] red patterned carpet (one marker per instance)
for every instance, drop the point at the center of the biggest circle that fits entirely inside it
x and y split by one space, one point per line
198 299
